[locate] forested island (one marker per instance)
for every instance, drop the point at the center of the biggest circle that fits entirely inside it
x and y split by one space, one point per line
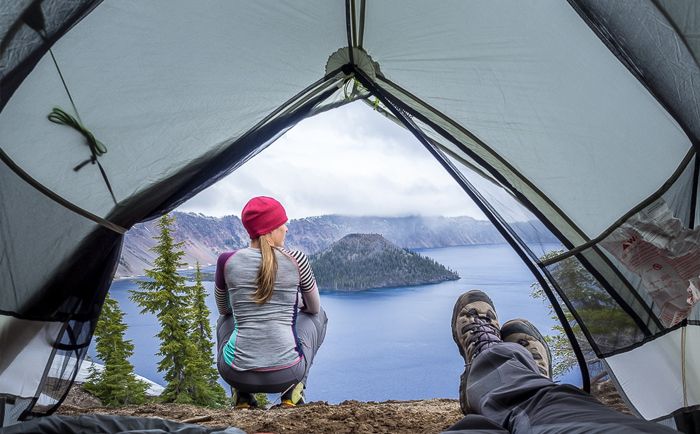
363 261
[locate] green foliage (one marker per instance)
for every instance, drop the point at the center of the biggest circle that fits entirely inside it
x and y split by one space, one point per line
206 390
604 319
116 384
186 372
262 400
363 261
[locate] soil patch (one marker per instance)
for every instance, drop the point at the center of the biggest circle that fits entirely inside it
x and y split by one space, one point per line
431 416
427 416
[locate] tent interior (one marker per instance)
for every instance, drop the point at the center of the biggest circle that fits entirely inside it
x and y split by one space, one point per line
590 124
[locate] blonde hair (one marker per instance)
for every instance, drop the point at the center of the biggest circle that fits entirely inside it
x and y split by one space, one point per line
267 272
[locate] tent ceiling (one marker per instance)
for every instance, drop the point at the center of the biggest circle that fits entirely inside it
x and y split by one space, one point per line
527 79
163 85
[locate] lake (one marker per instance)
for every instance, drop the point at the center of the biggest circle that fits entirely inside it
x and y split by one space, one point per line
392 343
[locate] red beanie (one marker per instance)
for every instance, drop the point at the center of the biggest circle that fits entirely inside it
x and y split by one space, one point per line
262 215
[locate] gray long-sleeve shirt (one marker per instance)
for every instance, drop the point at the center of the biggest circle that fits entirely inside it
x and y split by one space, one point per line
264 336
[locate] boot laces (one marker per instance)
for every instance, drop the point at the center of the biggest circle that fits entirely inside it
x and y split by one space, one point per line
481 334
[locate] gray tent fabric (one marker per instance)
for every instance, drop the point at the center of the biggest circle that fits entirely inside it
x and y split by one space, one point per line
584 113
104 424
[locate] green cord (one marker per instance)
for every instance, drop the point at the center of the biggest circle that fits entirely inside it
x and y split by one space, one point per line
97 148
59 116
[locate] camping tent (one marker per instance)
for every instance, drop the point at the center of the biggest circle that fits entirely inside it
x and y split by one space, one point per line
584 111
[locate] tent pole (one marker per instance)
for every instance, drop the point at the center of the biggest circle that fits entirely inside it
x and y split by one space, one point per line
349 23
491 215
694 193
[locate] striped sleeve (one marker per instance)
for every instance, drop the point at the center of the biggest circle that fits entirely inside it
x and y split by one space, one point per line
307 282
223 303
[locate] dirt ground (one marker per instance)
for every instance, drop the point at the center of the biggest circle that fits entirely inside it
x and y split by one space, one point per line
430 416
396 417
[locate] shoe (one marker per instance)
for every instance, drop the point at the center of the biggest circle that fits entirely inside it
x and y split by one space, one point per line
523 332
243 400
474 324
474 328
293 396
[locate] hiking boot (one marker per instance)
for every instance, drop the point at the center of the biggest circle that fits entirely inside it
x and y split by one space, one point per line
523 332
474 328
294 396
243 400
474 324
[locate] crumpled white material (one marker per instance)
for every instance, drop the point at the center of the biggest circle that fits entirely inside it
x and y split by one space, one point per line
665 254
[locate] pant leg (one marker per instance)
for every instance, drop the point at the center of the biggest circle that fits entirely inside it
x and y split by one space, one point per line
311 331
505 386
475 424
224 328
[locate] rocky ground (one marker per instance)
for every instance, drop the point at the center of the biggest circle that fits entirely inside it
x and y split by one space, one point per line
429 416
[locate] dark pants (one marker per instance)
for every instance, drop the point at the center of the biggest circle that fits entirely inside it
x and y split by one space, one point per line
508 394
311 330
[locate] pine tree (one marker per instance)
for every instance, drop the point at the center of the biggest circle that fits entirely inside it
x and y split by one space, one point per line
166 296
116 384
206 389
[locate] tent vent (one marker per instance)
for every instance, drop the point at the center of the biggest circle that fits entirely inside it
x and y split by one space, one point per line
363 61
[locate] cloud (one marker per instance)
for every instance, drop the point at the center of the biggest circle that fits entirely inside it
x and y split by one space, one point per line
351 161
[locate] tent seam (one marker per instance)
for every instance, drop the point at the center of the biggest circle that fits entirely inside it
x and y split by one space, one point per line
641 205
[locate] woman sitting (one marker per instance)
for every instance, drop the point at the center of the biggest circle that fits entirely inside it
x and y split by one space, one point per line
271 323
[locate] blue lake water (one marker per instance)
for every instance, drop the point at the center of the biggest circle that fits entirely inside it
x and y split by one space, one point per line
390 343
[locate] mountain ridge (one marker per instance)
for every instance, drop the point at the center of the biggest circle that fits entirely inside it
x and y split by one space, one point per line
205 237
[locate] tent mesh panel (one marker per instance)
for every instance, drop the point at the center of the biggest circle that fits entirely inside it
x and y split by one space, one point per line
73 345
609 326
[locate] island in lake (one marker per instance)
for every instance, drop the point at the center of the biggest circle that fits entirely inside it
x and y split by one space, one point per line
363 261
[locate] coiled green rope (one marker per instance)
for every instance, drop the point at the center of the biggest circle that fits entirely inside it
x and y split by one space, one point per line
97 148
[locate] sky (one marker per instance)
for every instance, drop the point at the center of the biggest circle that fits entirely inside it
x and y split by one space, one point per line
348 161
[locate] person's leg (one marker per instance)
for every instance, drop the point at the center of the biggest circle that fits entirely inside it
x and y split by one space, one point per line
475 424
224 328
311 331
505 384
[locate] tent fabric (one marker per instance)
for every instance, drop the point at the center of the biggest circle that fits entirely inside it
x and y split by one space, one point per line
581 119
100 423
664 56
666 380
21 46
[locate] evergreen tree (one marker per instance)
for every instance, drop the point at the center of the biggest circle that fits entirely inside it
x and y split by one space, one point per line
116 384
204 376
166 296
